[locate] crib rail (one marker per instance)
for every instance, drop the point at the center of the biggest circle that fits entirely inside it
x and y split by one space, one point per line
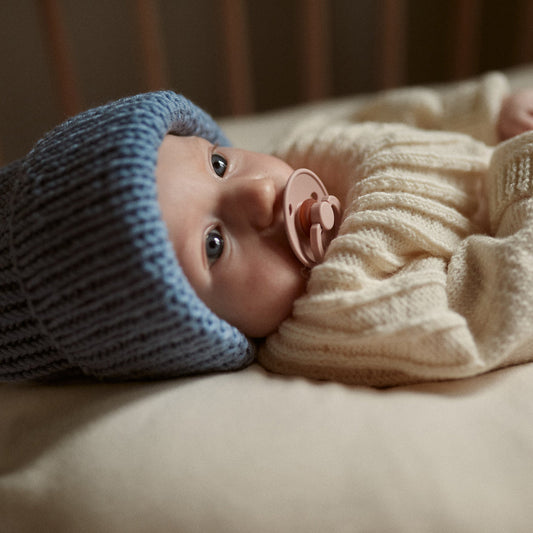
314 42
313 48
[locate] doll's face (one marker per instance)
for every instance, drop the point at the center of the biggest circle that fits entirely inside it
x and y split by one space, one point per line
223 210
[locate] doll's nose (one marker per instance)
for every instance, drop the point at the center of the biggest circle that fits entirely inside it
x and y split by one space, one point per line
255 199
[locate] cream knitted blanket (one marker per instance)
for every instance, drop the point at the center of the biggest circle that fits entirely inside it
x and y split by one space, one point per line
431 275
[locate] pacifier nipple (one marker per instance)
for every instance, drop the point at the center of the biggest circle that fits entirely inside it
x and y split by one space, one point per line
312 216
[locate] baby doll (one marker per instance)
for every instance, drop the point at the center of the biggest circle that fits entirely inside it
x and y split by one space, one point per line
133 236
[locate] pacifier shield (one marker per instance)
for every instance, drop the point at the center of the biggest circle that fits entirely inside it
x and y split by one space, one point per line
312 216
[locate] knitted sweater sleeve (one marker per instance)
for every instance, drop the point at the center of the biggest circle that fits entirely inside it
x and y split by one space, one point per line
405 290
470 107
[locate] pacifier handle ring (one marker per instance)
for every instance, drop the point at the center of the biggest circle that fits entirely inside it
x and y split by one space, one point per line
315 241
322 213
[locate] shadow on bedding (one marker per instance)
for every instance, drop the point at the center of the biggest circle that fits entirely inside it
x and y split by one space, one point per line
34 418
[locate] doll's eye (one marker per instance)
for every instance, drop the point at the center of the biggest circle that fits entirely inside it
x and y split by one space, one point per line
214 245
219 164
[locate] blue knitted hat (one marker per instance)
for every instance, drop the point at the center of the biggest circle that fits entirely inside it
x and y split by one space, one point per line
89 282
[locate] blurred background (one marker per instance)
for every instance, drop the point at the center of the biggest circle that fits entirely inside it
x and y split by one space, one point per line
239 56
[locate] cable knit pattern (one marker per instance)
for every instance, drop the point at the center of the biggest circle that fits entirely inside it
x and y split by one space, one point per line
89 282
414 287
469 107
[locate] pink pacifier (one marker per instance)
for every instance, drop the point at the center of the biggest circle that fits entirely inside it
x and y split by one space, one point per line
312 216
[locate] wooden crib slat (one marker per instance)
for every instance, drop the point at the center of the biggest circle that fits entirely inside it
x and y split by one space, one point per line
315 48
465 39
524 41
392 44
60 56
151 44
236 44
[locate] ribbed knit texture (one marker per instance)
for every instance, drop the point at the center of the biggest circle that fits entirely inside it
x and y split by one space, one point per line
89 282
413 288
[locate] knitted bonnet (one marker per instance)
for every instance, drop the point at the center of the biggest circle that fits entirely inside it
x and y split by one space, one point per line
89 282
